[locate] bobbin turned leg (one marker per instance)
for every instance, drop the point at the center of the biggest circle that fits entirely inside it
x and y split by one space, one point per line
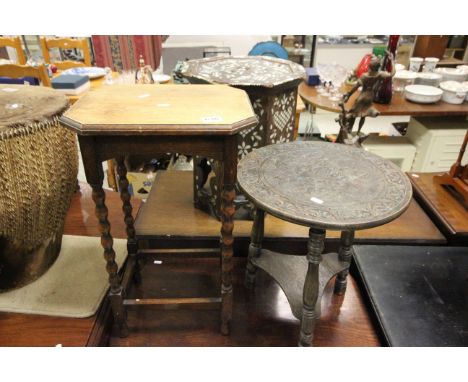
228 195
125 196
315 247
345 254
255 247
116 290
95 176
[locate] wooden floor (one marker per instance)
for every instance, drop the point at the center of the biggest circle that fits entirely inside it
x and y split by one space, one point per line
260 318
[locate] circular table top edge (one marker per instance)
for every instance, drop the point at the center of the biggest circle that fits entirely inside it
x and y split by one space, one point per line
323 224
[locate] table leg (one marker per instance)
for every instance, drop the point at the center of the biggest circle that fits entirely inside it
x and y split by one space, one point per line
95 177
228 195
116 291
255 247
128 217
345 254
315 247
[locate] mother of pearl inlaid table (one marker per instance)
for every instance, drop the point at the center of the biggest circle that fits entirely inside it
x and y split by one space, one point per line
119 120
323 186
271 84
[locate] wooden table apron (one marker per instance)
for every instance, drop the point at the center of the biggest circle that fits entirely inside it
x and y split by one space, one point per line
95 149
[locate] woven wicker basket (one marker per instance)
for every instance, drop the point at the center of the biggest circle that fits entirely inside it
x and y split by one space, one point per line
38 169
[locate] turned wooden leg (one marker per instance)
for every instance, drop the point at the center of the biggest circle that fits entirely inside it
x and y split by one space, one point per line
125 196
315 247
255 246
228 195
345 254
116 291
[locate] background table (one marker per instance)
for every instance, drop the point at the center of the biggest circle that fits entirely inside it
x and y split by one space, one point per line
398 106
124 120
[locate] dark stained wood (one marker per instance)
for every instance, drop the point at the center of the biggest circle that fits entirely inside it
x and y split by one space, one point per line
37 330
398 106
260 318
430 46
447 212
171 197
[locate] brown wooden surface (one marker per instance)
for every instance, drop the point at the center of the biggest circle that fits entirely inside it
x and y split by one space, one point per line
446 211
14 42
260 318
173 199
430 46
159 110
398 106
37 330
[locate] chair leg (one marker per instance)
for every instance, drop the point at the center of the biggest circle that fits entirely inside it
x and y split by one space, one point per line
345 254
255 247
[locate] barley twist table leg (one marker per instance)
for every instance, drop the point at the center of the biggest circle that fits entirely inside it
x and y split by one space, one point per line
128 217
345 254
315 247
228 195
255 247
116 291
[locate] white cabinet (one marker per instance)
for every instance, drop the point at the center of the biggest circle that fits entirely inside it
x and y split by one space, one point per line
396 149
437 141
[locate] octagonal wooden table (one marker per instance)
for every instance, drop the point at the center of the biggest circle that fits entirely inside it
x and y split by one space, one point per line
119 120
323 186
271 84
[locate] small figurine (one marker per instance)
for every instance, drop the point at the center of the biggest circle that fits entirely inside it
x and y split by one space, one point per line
362 107
144 75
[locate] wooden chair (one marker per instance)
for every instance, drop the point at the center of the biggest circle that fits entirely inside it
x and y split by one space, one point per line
18 71
14 42
65 43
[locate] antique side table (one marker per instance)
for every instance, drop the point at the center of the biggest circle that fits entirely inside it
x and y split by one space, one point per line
322 186
119 120
271 84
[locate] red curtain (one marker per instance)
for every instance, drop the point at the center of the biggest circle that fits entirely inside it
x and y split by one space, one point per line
122 52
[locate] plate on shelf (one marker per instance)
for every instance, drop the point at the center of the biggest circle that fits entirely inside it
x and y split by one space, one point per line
90 71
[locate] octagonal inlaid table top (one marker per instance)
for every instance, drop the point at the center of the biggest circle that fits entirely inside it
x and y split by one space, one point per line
261 71
324 185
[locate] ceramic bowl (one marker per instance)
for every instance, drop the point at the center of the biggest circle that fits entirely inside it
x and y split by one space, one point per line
463 68
403 78
452 74
454 92
429 79
399 67
466 87
423 93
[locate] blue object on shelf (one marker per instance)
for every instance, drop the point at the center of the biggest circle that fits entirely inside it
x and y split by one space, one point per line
66 81
19 81
313 78
269 48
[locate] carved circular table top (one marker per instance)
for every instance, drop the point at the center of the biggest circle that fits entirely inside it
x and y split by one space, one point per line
324 185
244 71
22 105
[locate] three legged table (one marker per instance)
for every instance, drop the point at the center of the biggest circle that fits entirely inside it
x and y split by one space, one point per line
322 186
